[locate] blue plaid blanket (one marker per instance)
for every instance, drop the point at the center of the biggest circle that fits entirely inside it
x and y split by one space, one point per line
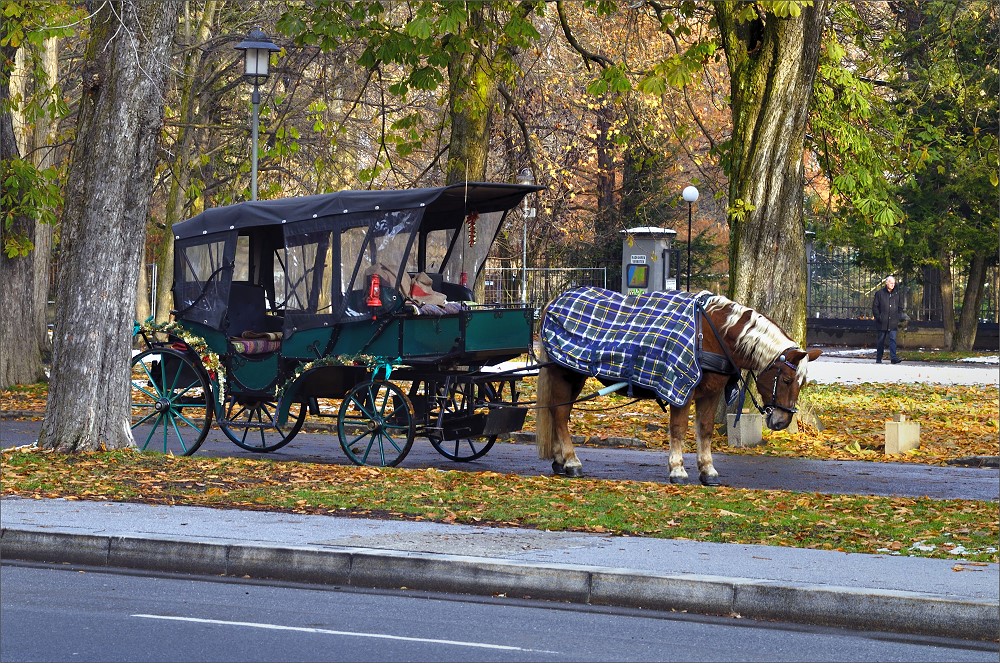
648 339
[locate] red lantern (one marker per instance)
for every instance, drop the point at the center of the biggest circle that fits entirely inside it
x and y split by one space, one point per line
375 291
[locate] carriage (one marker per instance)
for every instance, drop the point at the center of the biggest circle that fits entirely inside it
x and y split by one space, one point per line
285 306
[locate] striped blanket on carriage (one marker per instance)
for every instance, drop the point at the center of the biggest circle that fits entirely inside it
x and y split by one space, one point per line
648 340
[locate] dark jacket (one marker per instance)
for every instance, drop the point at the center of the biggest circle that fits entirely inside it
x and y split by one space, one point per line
886 308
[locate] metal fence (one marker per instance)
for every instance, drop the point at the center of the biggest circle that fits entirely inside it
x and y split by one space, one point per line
840 288
511 285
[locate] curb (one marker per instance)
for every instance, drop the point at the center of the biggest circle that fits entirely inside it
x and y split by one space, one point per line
845 607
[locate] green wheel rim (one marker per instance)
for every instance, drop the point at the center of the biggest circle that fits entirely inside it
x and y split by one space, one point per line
170 401
375 424
252 424
457 403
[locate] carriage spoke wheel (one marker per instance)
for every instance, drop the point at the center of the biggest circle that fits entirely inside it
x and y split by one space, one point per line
464 399
252 424
375 424
171 402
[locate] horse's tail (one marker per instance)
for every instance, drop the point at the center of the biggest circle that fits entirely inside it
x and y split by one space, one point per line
544 433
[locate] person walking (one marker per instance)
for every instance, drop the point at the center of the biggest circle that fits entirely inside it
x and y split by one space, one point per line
886 309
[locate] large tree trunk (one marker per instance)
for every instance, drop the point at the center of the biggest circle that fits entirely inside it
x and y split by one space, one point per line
772 64
104 222
968 321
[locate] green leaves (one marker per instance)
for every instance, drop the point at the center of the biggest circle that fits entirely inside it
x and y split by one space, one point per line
27 193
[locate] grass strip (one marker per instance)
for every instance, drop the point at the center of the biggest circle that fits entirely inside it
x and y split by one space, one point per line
963 530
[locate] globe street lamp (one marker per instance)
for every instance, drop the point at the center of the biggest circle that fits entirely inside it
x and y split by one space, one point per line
690 194
257 48
527 179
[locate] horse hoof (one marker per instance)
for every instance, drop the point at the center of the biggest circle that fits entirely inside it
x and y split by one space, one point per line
678 479
558 468
574 471
707 480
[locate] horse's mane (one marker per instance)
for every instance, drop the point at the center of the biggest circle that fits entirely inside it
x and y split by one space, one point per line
758 339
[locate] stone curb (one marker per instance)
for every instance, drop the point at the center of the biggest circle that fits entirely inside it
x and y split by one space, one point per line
846 607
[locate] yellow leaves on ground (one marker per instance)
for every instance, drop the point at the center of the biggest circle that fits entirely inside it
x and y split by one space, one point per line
956 421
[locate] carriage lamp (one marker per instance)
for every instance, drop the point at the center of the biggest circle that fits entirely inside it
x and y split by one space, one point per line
257 48
527 179
690 194
375 291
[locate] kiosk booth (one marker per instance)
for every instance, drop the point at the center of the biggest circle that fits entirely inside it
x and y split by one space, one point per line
649 261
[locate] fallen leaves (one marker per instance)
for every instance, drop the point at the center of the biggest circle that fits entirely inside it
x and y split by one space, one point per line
963 530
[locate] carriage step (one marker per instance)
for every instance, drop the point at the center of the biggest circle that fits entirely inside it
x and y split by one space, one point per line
507 419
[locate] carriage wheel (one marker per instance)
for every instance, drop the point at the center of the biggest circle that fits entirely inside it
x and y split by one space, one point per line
458 402
171 402
252 424
375 424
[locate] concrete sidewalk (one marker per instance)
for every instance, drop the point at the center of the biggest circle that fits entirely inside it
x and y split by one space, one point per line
865 592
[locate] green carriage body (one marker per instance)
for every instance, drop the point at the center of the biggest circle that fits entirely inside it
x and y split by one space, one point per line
300 270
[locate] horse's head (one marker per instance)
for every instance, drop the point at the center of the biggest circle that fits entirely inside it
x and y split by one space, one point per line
779 385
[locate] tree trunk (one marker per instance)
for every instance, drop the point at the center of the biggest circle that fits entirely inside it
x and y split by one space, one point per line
25 279
947 299
968 322
471 97
772 64
104 222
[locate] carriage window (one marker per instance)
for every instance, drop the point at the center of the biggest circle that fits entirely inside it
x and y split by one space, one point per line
201 280
307 264
241 272
468 256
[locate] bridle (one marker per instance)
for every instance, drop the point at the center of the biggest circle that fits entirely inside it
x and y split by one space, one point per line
782 358
767 408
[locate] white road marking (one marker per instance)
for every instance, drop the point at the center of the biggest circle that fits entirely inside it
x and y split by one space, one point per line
306 629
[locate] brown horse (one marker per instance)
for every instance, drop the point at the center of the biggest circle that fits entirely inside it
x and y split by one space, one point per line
730 339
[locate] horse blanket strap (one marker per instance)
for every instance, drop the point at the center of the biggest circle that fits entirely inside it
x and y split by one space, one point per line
648 340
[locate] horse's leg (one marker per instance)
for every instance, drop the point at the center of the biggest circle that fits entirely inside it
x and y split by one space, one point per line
678 429
557 389
704 429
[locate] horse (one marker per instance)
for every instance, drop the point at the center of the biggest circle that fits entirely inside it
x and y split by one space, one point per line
586 330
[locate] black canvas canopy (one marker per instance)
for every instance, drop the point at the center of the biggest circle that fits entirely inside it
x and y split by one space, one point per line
446 207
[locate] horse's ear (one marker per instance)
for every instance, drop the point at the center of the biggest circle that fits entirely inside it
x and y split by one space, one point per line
796 355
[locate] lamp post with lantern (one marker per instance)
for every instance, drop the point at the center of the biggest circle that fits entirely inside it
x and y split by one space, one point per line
257 49
690 194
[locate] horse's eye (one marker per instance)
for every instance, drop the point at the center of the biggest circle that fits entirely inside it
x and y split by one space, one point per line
787 380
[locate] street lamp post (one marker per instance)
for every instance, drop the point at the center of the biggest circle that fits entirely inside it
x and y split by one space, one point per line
257 48
526 178
690 194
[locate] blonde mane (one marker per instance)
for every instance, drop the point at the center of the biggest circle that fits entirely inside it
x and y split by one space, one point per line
760 341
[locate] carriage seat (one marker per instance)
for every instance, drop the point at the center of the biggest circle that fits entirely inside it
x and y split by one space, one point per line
250 329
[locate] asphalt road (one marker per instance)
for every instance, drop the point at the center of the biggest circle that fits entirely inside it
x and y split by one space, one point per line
738 471
95 615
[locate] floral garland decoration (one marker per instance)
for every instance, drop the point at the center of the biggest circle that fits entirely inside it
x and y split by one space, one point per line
368 361
209 359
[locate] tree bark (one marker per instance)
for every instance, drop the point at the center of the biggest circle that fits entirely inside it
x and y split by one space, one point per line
968 321
947 298
472 94
104 222
772 64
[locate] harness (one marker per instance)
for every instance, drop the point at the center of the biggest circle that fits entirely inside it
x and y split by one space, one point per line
726 365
